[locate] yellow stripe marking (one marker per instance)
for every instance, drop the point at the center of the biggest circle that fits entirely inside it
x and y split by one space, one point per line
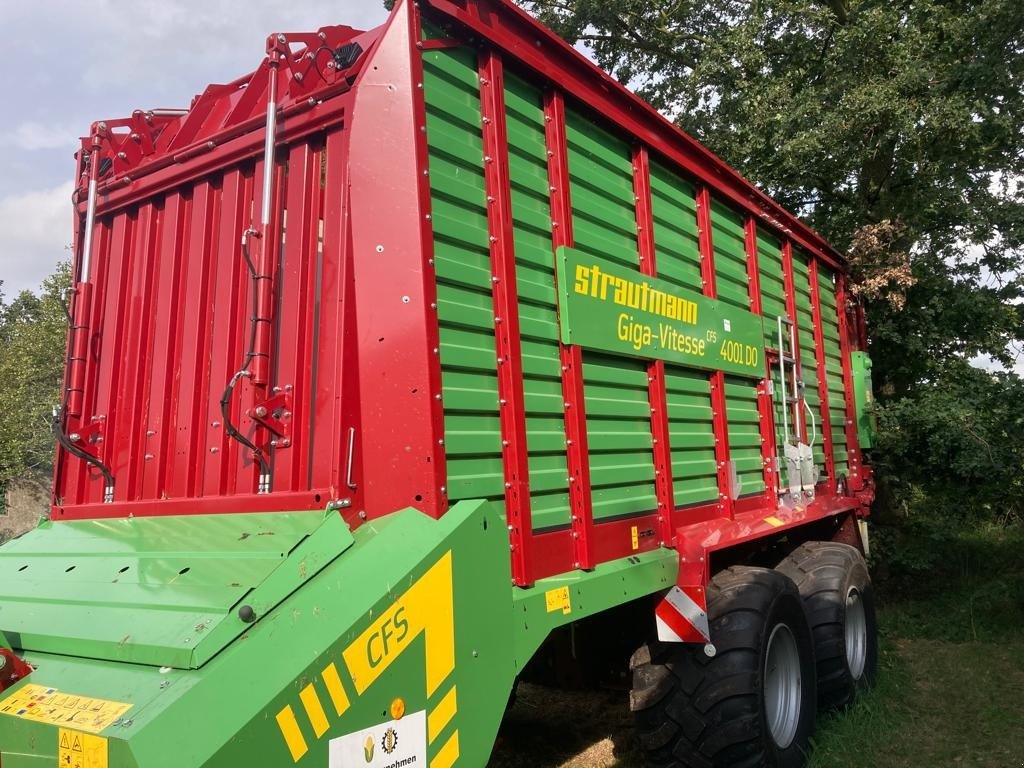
774 522
292 735
337 693
314 710
448 754
441 716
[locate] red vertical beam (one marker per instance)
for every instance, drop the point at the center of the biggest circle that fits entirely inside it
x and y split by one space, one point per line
819 343
511 399
719 412
655 369
292 356
403 458
329 446
799 417
846 344
164 340
765 412
113 331
129 423
200 273
580 501
230 298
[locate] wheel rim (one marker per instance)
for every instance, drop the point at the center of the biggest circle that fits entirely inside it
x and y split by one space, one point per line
856 633
783 690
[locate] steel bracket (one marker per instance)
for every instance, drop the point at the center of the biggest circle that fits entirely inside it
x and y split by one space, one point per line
275 415
89 437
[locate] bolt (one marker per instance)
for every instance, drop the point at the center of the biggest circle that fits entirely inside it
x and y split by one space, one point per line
260 411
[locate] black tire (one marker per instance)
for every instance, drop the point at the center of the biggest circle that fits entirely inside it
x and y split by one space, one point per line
698 711
829 575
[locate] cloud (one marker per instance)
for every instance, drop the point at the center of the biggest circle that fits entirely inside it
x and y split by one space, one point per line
37 231
32 136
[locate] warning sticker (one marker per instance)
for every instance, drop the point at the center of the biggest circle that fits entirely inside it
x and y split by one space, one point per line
558 600
48 705
81 750
396 744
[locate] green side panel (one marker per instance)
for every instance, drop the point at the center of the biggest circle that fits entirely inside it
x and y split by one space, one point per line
538 321
687 391
745 434
462 257
834 369
156 590
864 399
409 608
676 243
691 436
729 240
615 388
773 305
809 355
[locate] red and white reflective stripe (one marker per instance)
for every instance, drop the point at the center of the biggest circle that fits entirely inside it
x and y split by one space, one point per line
682 616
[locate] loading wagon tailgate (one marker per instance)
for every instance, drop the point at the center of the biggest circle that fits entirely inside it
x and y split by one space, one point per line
161 591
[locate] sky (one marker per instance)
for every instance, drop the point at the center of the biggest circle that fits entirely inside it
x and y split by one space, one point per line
71 62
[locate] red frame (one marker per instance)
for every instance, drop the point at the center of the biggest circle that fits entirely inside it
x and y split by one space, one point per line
384 387
660 440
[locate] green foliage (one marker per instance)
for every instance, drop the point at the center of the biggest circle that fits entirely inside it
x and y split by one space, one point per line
32 339
853 113
962 437
897 130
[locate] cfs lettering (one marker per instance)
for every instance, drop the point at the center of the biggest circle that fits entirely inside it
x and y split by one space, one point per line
390 635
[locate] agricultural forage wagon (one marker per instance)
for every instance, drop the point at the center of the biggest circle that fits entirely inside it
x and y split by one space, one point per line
418 362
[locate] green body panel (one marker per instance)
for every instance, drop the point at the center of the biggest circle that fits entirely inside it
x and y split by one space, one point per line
152 590
864 399
615 388
225 713
808 358
462 257
538 322
687 390
834 369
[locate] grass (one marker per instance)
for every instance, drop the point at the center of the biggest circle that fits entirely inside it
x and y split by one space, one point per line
950 687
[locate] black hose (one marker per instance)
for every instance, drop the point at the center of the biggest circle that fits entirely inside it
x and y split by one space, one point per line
57 424
243 372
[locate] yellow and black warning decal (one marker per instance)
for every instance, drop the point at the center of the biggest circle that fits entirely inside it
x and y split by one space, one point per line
426 608
49 705
81 750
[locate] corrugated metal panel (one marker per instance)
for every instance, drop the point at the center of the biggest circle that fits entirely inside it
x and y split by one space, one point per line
809 354
688 392
617 401
773 302
462 258
531 214
171 316
833 368
728 237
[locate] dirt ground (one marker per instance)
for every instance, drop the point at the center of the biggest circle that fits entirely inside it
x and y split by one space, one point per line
559 729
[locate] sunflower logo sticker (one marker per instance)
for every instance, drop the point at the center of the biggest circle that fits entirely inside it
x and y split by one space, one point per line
390 741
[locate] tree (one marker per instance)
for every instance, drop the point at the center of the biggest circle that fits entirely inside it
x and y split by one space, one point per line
32 342
892 124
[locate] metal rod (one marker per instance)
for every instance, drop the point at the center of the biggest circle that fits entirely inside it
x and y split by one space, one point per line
782 385
796 387
85 263
351 457
268 146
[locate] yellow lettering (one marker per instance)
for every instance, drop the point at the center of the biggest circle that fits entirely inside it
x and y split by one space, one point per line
582 279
